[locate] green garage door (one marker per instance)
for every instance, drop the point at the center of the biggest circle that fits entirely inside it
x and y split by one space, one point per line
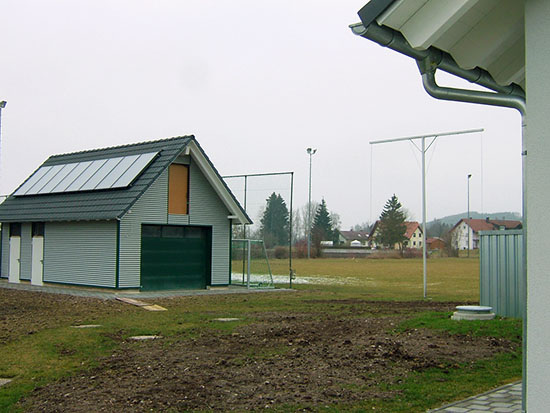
175 256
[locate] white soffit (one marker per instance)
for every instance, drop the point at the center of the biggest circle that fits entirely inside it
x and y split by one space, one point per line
109 173
484 33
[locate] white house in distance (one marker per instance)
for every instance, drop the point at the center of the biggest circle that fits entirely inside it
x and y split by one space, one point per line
459 233
413 235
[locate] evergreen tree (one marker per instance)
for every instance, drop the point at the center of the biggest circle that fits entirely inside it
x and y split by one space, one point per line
392 225
275 221
322 229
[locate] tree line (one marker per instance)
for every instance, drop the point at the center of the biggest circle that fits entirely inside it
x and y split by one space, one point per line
275 223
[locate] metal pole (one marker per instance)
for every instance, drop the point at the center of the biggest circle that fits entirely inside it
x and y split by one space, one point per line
2 106
244 226
311 152
424 252
424 149
468 217
290 231
248 268
309 213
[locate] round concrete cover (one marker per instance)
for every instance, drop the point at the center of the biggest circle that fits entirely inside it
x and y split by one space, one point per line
474 308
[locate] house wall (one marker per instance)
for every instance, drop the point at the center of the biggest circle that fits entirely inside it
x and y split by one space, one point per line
26 251
151 208
416 239
80 253
205 208
4 265
537 199
460 237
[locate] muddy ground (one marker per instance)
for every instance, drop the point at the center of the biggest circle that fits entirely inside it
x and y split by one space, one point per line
295 359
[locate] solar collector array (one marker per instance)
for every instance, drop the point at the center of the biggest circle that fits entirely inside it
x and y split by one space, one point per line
109 173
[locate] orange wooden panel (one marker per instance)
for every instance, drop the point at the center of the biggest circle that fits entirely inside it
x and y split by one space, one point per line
178 189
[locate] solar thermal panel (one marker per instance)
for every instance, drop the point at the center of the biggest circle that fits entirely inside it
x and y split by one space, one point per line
109 173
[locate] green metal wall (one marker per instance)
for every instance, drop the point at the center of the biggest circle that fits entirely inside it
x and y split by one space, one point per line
502 281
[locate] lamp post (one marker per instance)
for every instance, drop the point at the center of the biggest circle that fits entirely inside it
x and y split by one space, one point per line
468 217
310 152
2 106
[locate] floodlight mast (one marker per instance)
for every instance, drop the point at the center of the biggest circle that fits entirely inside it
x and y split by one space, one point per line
423 150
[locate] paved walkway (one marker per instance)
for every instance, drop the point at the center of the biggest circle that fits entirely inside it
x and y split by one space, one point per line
112 294
505 399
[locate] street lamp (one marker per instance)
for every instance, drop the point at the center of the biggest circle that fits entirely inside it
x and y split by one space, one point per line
469 227
310 152
2 106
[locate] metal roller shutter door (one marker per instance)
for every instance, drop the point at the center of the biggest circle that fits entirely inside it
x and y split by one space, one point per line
175 257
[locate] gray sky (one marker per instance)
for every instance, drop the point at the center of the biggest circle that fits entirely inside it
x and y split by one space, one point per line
256 82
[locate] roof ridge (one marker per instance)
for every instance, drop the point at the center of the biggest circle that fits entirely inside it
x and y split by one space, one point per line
123 146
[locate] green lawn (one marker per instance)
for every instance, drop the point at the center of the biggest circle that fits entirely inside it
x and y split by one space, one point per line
448 279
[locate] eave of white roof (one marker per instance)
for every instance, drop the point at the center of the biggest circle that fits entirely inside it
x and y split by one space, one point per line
484 33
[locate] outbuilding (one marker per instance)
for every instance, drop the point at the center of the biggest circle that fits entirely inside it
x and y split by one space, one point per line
150 216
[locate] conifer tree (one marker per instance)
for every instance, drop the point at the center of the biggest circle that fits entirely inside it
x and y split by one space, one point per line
392 227
275 221
322 229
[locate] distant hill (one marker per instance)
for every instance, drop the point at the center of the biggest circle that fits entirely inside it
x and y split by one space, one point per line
453 219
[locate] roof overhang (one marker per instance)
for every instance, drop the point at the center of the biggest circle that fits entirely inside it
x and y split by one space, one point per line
236 212
481 41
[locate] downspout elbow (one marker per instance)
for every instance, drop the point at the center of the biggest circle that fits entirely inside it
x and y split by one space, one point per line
469 96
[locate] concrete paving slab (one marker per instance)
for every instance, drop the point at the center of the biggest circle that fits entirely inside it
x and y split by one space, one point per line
505 399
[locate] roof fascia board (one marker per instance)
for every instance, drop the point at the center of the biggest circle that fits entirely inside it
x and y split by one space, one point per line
216 182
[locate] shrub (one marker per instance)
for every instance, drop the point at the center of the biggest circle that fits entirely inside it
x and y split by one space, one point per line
281 252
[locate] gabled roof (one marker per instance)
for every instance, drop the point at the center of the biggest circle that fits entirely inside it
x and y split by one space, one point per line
489 224
412 226
355 235
114 203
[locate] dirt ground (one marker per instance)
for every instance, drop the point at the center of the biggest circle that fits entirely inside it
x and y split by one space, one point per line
306 359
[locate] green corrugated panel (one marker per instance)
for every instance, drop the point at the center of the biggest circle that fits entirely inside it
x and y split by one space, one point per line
502 279
174 263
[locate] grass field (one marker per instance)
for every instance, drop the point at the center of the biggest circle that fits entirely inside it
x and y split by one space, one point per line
448 279
54 350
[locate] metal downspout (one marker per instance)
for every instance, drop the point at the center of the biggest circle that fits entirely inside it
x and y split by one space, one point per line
427 69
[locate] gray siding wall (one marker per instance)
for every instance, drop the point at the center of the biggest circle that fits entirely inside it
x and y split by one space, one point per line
80 253
5 250
206 208
178 219
26 251
151 208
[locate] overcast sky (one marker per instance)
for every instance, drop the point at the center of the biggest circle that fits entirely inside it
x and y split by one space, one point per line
257 82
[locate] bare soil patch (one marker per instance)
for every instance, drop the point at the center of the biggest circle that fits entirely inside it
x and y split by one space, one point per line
24 312
295 359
